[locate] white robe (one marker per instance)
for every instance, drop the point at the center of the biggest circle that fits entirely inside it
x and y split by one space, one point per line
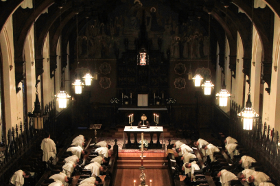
247 173
102 151
178 144
17 179
59 177
202 142
185 149
230 139
231 148
79 142
247 161
68 168
90 180
187 157
49 149
266 184
97 159
79 138
73 158
94 168
102 143
210 151
190 171
226 177
75 151
87 184
57 183
260 177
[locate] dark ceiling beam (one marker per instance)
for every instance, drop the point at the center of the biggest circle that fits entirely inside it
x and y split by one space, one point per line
267 43
7 8
274 6
245 32
48 23
20 41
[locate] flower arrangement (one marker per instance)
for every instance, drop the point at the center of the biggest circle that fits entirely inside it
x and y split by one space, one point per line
114 100
145 143
170 101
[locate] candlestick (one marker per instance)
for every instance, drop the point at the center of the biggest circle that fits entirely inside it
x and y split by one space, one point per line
142 139
131 95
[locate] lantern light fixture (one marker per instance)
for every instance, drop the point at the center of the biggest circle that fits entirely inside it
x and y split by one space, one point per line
207 86
223 96
197 80
88 78
248 114
62 98
78 84
143 57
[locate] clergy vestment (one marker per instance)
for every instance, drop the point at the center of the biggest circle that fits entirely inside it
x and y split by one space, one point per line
57 183
178 144
210 151
266 184
68 168
17 179
247 173
190 171
231 148
75 151
102 144
187 157
102 151
59 177
49 149
185 149
202 142
90 180
260 177
97 159
94 168
226 177
79 142
79 138
246 161
229 140
73 158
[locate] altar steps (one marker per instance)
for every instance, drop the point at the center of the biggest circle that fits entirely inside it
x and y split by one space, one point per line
148 162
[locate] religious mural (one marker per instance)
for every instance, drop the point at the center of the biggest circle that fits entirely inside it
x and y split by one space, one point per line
109 36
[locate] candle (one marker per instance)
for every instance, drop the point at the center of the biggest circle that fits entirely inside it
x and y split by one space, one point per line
122 95
132 117
134 182
154 117
142 139
162 95
154 95
131 95
151 182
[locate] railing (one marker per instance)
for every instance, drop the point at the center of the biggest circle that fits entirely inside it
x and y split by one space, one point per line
172 169
112 170
261 142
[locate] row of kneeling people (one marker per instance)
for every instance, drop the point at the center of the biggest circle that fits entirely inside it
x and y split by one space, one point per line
240 172
81 163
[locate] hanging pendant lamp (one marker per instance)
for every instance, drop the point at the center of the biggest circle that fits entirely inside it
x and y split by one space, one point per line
62 98
207 87
197 80
87 78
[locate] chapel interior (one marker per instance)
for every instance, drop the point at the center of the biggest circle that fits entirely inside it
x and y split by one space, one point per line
144 60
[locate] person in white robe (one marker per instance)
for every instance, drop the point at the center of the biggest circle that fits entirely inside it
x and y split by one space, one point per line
78 151
62 177
229 140
199 143
79 142
189 169
187 156
56 183
80 137
246 162
102 151
177 144
95 168
244 175
266 184
49 148
73 158
99 160
91 181
18 177
231 148
184 149
226 176
102 144
258 177
210 150
68 168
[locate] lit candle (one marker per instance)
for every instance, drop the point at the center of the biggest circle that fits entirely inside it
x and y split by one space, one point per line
134 182
132 117
151 182
131 95
142 139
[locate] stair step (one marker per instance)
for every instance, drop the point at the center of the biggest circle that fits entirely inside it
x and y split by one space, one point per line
145 161
145 158
147 166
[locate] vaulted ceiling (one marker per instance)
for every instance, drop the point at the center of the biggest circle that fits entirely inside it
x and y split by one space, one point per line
63 14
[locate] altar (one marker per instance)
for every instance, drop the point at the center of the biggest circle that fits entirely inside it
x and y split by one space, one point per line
135 130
